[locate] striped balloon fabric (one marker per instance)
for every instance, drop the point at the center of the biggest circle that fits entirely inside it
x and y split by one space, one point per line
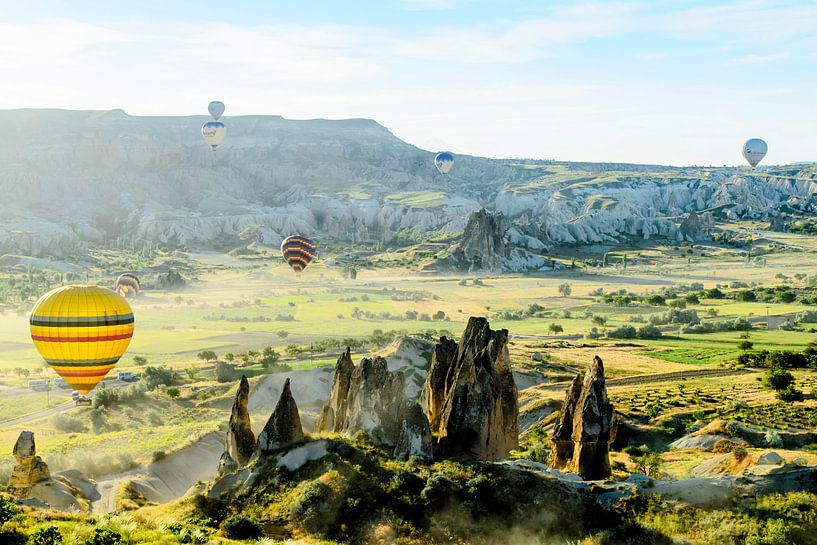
81 332
298 251
127 285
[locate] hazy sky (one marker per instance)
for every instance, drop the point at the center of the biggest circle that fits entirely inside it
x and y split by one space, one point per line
678 82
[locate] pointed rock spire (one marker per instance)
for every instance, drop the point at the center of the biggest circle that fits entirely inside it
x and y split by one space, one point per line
240 443
284 425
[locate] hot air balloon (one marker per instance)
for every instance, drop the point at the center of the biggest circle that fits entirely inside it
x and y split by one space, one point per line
81 332
216 109
754 150
213 133
443 161
127 285
298 251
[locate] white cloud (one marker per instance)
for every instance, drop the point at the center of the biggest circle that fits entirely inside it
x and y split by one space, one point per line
749 20
652 56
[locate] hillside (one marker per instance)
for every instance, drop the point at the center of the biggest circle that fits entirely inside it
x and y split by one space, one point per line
99 176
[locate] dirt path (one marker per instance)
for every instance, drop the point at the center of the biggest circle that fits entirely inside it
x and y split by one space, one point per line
647 379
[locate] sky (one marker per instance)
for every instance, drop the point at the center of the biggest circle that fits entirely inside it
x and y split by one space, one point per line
661 82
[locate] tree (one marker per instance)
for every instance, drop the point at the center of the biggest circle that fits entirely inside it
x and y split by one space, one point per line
153 377
599 320
140 361
777 379
565 289
293 350
270 357
282 334
207 355
555 328
224 372
786 297
192 372
745 345
438 316
229 356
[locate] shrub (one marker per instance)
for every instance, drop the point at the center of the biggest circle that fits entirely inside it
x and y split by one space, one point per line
67 423
565 289
745 345
50 535
713 293
225 372
103 536
437 490
140 360
593 333
623 332
739 452
210 508
772 439
555 328
312 509
241 527
655 300
649 332
172 392
777 379
790 394
105 397
7 509
747 296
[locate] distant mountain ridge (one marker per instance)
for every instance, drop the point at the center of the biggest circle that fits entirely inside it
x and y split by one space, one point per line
72 178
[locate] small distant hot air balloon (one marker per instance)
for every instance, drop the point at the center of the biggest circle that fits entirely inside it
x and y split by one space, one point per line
216 109
754 150
298 251
444 161
213 133
81 332
127 285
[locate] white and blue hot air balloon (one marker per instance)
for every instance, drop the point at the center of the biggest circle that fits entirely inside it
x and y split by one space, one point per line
754 150
216 109
213 133
444 161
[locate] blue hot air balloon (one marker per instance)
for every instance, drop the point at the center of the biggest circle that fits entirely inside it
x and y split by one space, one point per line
216 109
444 161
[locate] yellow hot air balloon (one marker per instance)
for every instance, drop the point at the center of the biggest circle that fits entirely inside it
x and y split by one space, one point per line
81 332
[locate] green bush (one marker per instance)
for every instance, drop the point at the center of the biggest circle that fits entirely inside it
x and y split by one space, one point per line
105 397
103 536
777 379
649 332
225 372
790 394
50 535
7 509
745 345
241 527
67 423
623 332
172 392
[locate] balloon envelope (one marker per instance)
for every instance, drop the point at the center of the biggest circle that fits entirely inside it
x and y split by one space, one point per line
127 285
754 150
216 109
81 332
213 133
444 161
298 251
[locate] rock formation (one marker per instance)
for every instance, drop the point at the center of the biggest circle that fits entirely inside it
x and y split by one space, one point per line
30 468
482 245
284 425
240 443
370 398
696 226
470 397
581 438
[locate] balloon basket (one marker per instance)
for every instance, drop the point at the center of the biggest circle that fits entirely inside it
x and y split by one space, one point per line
84 402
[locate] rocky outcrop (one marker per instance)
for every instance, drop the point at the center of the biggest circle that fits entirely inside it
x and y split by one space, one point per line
470 397
240 443
30 469
284 425
696 226
581 438
370 398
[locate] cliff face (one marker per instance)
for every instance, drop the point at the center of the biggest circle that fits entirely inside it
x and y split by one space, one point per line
470 397
370 398
73 178
29 469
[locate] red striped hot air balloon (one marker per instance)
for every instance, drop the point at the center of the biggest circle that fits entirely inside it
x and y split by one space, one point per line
298 251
